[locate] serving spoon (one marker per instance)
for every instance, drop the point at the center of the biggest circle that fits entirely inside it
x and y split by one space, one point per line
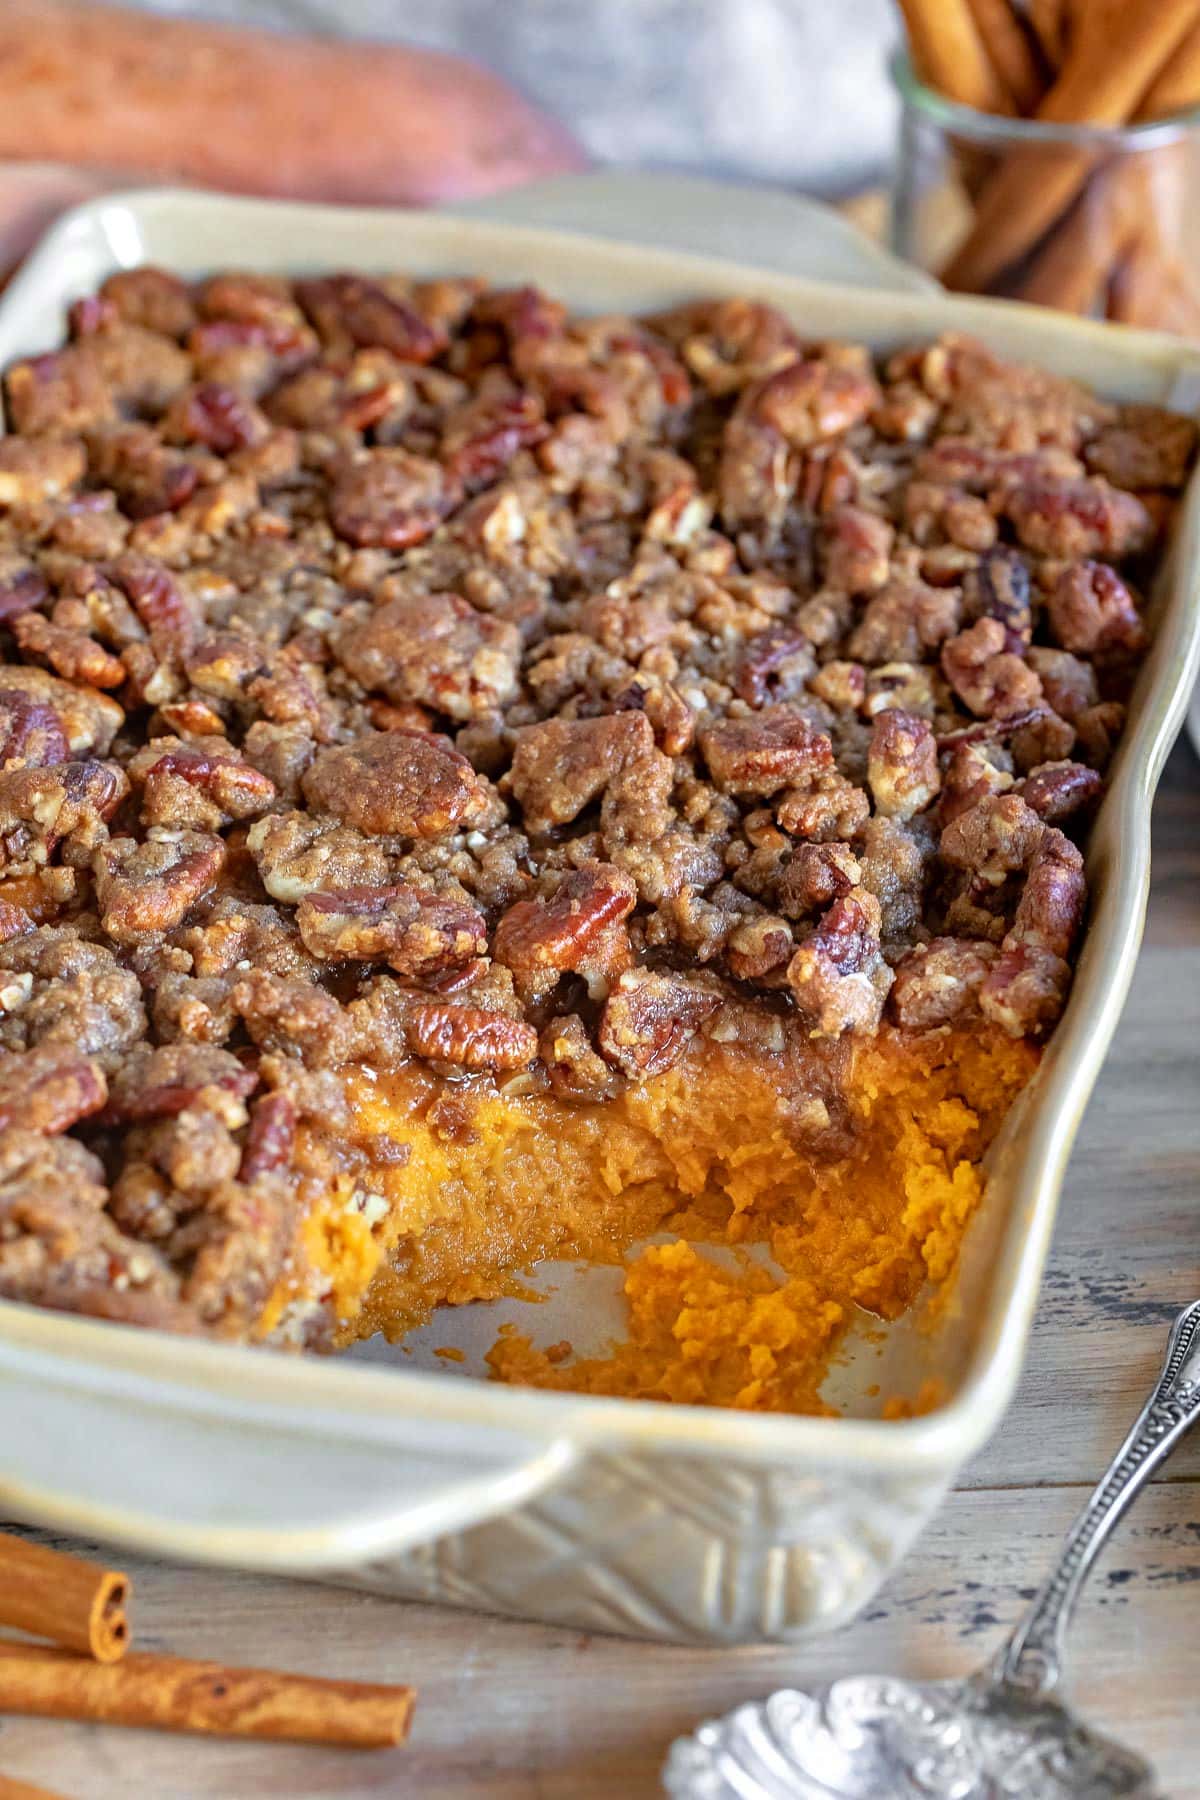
1001 1734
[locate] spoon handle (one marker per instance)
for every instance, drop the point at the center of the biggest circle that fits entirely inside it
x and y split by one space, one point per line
1033 1657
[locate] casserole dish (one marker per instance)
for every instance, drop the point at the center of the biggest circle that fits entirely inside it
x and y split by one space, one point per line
669 1522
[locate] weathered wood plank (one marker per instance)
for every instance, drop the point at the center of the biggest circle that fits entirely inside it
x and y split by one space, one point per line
516 1712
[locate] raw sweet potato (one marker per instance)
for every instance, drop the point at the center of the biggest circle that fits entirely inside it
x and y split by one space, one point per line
110 88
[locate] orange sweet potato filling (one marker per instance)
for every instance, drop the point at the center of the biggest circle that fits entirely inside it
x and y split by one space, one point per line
856 1169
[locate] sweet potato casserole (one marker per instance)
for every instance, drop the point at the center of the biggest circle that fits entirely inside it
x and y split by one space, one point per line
480 784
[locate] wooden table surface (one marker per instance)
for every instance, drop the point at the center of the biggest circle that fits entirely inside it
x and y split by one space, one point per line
523 1712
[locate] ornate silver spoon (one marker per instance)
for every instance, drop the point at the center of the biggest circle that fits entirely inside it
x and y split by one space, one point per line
999 1735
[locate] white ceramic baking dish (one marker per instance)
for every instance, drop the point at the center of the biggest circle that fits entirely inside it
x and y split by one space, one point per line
670 1522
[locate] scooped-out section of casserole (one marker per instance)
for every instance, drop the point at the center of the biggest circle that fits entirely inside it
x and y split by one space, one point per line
480 785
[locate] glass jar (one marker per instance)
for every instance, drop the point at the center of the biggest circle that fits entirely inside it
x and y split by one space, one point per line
1090 220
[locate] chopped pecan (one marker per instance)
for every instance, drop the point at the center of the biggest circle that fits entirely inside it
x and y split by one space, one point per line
204 785
349 310
30 733
390 498
838 977
759 947
991 840
938 983
1078 518
842 685
219 417
1025 991
397 783
774 664
776 748
810 400
902 764
158 600
998 587
22 585
162 1082
857 550
904 621
63 391
974 771
481 438
1144 447
815 875
756 476
1050 910
561 765
297 854
152 298
962 462
576 1070
650 1018
910 686
1098 728
418 930
1092 611
59 809
435 649
38 469
824 808
89 721
149 887
270 1137
49 1088
146 476
71 653
988 677
1057 790
1068 683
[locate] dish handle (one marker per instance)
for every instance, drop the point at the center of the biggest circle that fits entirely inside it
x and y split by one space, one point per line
201 1472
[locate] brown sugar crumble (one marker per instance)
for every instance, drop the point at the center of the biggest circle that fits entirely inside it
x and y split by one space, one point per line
474 777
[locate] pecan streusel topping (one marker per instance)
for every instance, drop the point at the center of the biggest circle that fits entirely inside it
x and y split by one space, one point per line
406 670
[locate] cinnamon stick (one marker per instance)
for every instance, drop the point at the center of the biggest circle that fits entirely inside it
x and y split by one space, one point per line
948 54
1099 85
1150 288
1177 87
1048 22
53 1595
1073 268
170 1693
1009 51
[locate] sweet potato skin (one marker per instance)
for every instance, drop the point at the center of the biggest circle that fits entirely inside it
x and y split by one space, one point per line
110 88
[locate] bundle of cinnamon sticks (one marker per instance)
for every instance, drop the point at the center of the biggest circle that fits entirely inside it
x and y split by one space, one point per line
86 1674
1089 229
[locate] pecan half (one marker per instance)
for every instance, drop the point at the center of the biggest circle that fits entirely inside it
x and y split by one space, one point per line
142 888
777 748
49 1088
390 498
417 930
902 764
469 1036
568 930
396 783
